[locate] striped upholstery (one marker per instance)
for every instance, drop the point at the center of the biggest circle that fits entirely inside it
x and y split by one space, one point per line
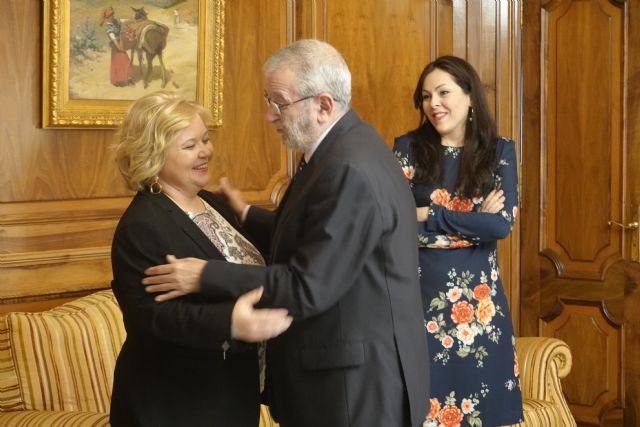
541 413
54 419
543 362
56 367
62 359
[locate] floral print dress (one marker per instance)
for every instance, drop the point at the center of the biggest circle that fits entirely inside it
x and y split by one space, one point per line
474 368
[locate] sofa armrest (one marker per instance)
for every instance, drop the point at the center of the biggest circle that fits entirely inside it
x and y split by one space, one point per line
53 419
543 362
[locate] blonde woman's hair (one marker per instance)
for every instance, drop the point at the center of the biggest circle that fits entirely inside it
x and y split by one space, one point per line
150 125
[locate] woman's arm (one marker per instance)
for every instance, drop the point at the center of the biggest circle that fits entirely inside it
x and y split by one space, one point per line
483 225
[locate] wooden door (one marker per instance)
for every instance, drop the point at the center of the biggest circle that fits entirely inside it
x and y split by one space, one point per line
581 145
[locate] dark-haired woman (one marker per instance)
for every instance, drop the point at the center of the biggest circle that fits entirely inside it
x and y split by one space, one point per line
464 181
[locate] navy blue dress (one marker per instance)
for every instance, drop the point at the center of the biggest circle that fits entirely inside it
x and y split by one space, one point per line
474 369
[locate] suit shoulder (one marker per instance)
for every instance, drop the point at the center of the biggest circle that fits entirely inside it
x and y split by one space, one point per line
141 203
142 213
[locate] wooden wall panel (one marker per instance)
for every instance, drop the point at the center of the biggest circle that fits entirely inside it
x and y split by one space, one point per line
487 34
386 44
530 286
60 193
247 149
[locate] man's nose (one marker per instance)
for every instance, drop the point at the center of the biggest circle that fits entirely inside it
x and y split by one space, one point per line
271 115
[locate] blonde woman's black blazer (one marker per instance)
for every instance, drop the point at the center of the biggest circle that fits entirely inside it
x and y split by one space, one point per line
172 370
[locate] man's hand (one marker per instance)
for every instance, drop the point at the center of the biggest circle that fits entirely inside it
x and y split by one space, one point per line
493 203
177 278
255 325
233 197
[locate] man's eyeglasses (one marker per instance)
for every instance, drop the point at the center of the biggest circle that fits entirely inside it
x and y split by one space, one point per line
277 107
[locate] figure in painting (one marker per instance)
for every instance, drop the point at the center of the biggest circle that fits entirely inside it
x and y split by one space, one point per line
149 37
120 71
176 18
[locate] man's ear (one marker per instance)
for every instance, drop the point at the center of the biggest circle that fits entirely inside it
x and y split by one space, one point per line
326 103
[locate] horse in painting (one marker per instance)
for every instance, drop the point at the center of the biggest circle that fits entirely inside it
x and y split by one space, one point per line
143 35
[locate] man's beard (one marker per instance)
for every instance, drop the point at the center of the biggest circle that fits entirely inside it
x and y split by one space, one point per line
298 135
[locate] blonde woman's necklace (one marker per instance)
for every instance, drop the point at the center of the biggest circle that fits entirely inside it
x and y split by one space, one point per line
190 213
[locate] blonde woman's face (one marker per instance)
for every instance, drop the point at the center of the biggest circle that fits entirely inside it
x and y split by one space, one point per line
186 168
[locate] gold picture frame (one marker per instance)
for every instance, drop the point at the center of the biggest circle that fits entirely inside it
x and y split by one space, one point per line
78 83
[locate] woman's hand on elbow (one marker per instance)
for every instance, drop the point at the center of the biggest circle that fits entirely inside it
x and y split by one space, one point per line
422 213
493 203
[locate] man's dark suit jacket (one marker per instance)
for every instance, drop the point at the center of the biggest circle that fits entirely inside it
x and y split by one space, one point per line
171 371
344 262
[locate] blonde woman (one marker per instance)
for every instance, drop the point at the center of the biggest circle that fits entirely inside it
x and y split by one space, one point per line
183 362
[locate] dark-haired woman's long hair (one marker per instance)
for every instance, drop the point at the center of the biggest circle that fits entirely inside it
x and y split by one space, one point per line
480 136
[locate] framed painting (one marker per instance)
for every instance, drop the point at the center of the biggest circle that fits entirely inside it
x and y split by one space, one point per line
99 55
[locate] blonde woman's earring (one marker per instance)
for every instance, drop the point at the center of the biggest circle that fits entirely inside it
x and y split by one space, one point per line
155 187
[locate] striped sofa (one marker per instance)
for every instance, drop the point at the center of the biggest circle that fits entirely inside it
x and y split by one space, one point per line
543 362
56 368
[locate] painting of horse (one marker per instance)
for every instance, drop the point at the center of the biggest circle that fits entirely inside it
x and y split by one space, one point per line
144 36
152 51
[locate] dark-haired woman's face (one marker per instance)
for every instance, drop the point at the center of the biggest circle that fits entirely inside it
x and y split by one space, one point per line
446 106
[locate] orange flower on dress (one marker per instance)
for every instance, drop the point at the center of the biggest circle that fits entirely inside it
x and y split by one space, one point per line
462 312
486 310
432 327
434 408
460 205
459 244
447 341
481 291
409 172
440 197
450 416
516 366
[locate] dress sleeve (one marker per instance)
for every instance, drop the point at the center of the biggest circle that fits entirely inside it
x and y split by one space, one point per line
402 151
481 226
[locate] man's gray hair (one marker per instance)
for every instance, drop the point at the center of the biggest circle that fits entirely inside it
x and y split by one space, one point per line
318 66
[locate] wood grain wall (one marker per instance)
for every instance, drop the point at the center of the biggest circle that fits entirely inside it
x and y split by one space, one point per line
61 196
